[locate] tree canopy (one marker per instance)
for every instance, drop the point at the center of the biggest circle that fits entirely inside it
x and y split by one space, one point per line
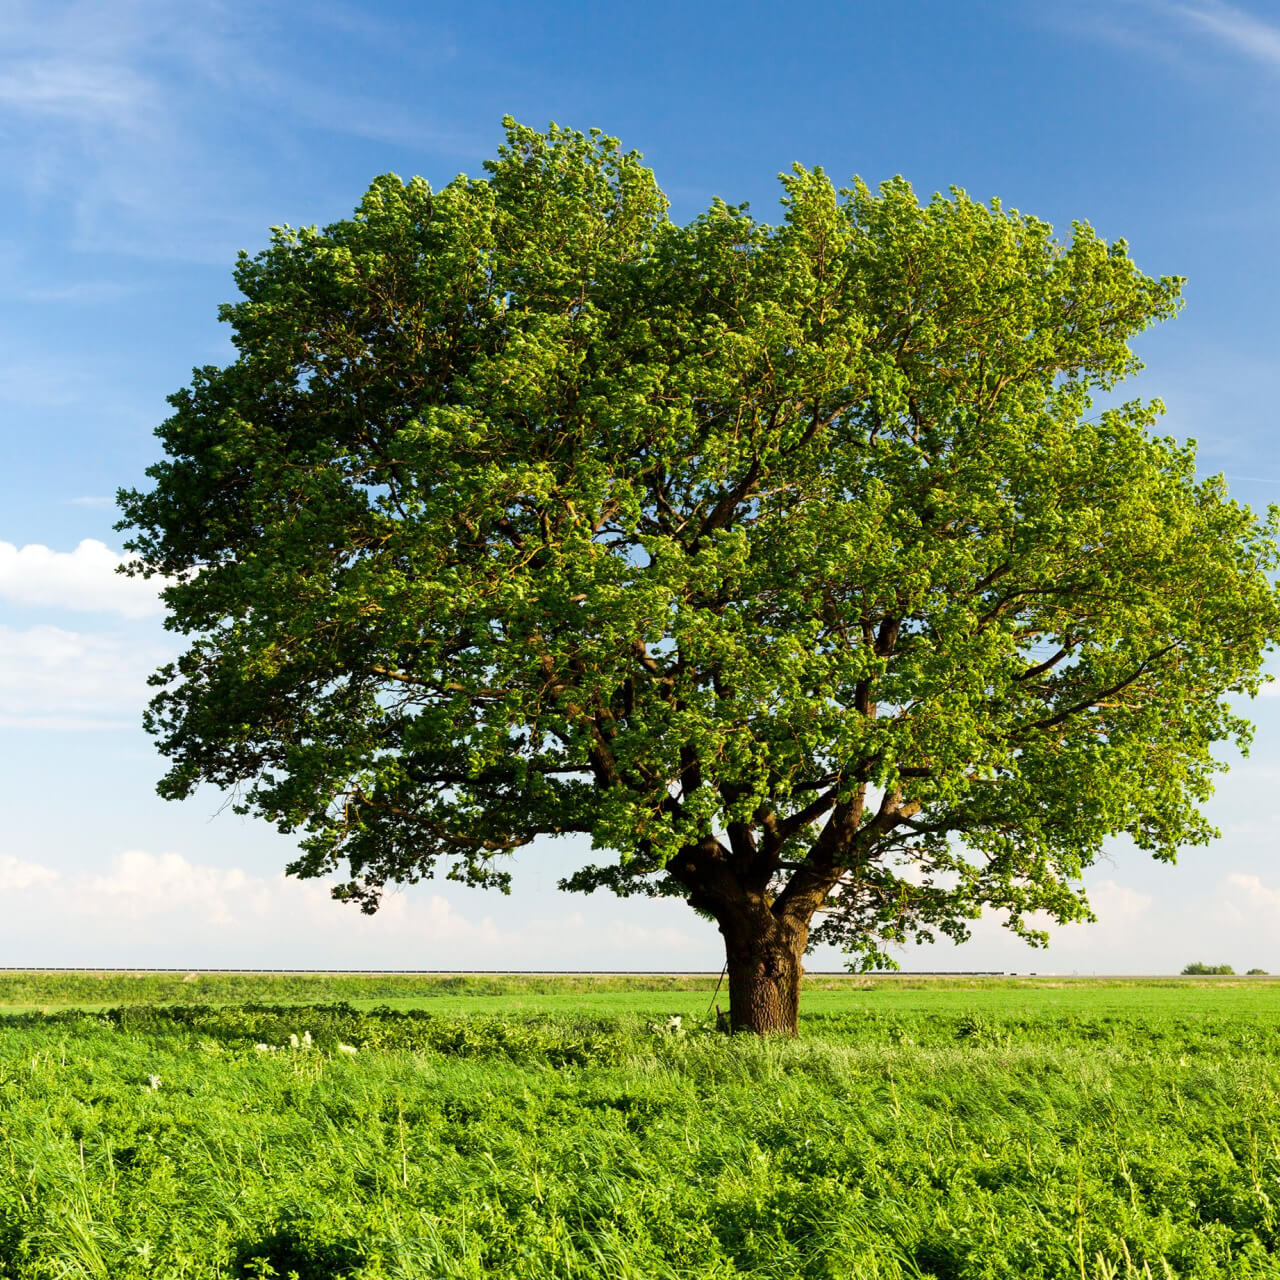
792 564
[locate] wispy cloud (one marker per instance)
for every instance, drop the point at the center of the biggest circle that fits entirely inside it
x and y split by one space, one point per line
51 678
97 103
78 292
1235 29
39 380
1188 37
163 129
73 90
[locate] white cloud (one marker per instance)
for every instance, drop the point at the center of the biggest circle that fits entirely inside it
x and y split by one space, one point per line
15 874
166 909
1246 895
143 888
55 679
1117 904
186 908
139 885
1119 941
84 579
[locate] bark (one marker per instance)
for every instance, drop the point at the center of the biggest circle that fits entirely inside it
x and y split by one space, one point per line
764 969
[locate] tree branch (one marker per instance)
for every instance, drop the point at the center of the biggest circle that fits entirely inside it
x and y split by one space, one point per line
1050 721
1047 665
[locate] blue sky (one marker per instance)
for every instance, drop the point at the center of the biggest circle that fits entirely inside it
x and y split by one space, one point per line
143 143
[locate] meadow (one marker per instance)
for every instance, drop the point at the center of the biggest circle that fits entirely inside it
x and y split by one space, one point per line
469 1126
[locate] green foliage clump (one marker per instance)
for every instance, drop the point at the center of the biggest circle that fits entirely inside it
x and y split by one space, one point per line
1197 968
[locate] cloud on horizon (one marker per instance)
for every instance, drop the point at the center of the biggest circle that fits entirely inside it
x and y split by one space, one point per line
1246 897
149 908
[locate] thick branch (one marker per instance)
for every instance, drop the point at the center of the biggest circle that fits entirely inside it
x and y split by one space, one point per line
1047 665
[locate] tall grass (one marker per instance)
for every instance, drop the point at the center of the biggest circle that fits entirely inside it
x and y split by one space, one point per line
961 1141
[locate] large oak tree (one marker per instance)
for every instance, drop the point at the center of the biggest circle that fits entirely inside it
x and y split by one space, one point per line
791 564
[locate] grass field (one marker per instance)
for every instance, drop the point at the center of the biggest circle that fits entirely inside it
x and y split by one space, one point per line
542 1127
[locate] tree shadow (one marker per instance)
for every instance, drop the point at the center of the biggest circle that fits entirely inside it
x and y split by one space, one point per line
291 1252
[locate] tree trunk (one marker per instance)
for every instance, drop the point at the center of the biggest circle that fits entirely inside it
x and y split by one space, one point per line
764 979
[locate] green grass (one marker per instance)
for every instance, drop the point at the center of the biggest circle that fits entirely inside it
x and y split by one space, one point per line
607 994
948 1129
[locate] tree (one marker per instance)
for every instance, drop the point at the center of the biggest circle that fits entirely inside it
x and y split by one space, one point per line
788 563
1199 969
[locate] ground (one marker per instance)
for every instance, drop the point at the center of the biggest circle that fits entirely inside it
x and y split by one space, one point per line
163 1125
